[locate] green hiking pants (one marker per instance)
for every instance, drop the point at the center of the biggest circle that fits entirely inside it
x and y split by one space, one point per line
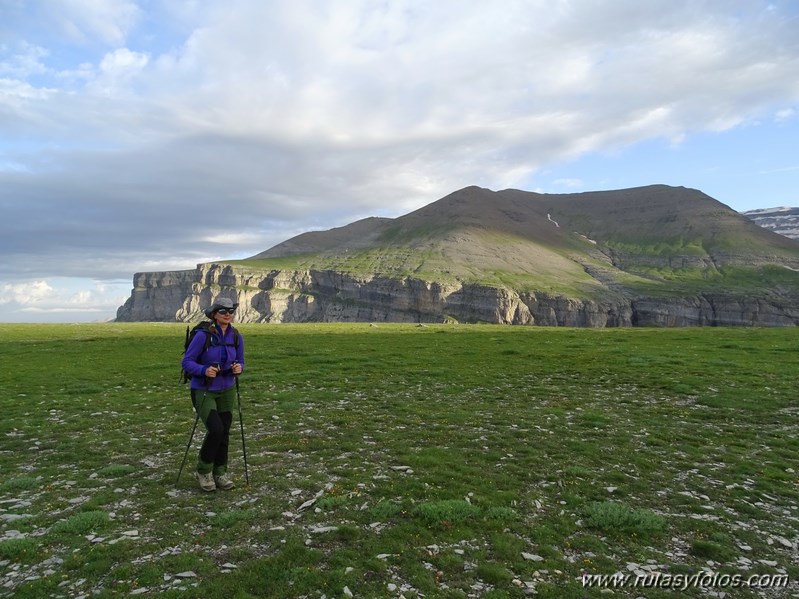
216 411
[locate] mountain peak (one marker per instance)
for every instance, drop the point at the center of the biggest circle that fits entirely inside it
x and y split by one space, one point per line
656 255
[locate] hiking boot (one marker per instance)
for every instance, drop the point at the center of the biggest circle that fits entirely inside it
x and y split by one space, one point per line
206 481
224 482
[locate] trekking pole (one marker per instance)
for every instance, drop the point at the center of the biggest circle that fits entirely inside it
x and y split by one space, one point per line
191 437
241 426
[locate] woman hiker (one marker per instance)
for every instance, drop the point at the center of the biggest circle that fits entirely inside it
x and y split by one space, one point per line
213 359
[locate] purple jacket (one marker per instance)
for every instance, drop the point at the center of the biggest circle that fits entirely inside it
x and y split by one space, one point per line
221 352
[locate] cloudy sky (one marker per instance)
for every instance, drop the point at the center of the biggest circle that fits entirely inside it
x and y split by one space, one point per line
141 135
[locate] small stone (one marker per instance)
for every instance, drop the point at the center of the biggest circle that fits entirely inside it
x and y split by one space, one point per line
532 557
307 504
13 517
323 529
767 562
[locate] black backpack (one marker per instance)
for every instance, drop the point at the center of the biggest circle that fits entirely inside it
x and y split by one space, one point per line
192 332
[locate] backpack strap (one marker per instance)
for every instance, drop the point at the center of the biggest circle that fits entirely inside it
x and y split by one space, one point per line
210 335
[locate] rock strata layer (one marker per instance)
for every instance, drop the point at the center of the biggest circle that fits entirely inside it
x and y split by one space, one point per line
330 296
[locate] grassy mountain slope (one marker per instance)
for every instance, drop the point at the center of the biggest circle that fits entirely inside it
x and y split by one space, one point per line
655 239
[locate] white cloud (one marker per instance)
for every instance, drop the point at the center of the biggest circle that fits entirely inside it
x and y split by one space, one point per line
52 299
122 61
117 70
25 62
26 293
108 20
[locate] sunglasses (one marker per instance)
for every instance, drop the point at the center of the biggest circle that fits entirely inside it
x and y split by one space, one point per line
226 311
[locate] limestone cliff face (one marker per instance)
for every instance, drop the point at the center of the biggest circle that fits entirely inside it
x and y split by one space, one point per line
330 296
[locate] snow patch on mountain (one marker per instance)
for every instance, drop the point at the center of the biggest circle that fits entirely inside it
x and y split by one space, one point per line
783 220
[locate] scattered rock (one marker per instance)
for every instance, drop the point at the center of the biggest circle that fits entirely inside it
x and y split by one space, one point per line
784 542
13 517
323 529
531 557
768 562
307 504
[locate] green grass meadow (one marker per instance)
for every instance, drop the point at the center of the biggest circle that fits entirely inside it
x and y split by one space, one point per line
404 461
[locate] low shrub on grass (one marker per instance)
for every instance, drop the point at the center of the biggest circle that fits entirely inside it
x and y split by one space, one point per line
494 574
448 511
82 523
385 510
707 549
611 517
332 502
500 514
22 483
116 470
228 519
18 549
